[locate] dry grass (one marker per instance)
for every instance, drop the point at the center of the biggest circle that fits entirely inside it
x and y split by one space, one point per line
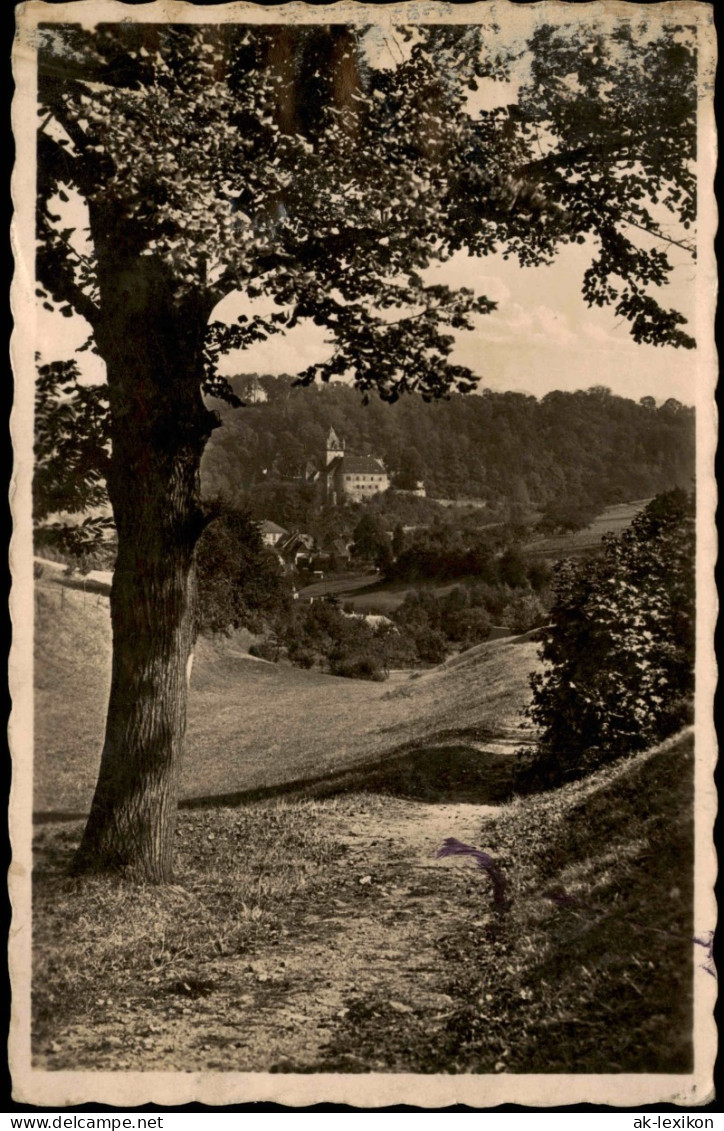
101 945
588 970
591 967
256 727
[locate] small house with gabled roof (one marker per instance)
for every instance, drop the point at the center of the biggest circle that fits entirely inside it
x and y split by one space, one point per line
271 533
296 549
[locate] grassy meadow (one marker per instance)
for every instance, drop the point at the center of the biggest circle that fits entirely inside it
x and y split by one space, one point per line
311 926
613 520
257 728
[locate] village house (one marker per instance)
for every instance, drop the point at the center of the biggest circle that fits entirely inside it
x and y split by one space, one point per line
271 533
349 478
296 549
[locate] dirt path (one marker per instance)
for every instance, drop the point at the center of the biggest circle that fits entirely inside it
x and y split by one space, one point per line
364 947
372 946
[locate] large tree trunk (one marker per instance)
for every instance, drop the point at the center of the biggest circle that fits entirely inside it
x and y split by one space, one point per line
153 347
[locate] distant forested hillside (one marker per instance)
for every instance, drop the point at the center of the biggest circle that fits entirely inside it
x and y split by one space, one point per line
589 447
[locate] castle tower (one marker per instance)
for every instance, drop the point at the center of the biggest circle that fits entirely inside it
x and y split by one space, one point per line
335 446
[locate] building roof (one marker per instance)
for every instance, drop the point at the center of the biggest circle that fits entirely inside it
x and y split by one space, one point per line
268 527
334 464
294 541
362 465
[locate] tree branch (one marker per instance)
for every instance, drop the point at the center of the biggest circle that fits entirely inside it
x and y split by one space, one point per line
59 282
55 162
568 157
659 235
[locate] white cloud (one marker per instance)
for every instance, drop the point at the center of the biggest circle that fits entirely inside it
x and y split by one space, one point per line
603 339
553 326
492 287
513 323
463 270
289 352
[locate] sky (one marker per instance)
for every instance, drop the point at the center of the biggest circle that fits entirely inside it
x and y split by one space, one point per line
541 337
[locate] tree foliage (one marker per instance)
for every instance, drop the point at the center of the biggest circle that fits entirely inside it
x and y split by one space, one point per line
280 162
619 658
241 583
396 174
344 645
370 538
568 455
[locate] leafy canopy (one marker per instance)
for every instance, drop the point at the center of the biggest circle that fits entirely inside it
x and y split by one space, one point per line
240 582
286 162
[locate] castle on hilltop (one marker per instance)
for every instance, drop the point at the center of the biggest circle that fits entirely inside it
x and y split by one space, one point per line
349 478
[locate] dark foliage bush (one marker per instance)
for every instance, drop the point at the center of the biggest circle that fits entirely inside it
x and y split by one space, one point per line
358 665
240 582
432 646
302 656
619 658
562 516
322 634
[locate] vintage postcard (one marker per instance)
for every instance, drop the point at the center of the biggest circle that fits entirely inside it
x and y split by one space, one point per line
363 591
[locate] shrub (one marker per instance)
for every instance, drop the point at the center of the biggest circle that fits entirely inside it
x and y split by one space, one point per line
432 646
303 657
347 645
240 582
469 627
524 612
619 659
396 646
358 665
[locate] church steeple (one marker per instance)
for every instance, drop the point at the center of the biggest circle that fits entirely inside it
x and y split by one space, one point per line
335 446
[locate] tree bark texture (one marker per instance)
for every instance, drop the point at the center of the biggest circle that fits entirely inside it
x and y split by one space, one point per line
152 344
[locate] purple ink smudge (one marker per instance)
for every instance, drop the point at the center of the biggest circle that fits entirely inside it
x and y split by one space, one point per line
453 847
708 944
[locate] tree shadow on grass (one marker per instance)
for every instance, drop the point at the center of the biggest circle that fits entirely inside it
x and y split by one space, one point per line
448 771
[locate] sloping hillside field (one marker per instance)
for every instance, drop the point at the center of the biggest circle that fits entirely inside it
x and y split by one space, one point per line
258 729
313 925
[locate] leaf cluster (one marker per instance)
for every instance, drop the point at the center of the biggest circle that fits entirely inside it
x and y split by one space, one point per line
72 450
240 582
280 161
619 658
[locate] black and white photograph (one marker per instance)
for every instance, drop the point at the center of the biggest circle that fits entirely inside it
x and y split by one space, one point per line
363 556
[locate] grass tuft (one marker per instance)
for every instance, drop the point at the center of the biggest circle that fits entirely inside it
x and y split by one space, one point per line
101 944
591 969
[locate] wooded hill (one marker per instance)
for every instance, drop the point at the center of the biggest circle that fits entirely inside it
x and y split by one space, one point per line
589 447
